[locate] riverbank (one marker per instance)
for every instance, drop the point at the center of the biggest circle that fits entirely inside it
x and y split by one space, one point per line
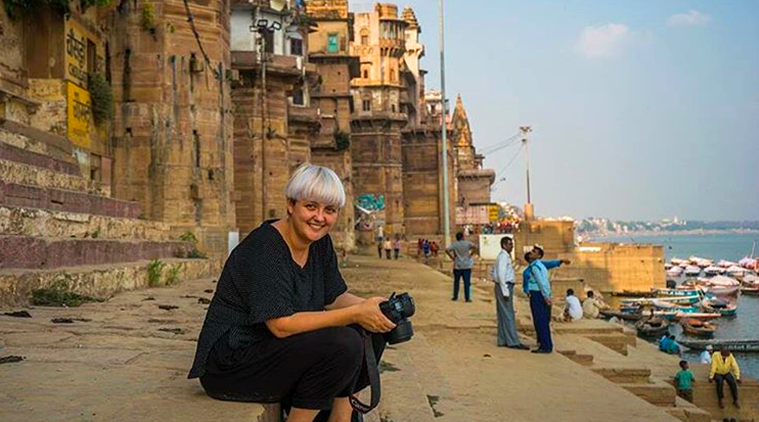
596 237
126 359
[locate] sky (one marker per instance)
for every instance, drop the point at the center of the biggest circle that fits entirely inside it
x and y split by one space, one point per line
641 110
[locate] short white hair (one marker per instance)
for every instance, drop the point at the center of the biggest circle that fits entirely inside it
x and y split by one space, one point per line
316 183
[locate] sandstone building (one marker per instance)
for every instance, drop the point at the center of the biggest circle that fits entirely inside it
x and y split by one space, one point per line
329 50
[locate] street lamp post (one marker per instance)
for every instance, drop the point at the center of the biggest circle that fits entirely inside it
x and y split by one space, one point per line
444 130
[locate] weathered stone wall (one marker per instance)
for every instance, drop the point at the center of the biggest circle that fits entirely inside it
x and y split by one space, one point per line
615 267
12 71
173 125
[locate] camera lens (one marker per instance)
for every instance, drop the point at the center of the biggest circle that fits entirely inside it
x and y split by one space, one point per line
402 332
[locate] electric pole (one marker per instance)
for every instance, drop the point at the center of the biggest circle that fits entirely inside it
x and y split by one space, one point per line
444 129
529 211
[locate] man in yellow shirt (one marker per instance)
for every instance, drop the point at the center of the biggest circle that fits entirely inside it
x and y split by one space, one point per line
725 368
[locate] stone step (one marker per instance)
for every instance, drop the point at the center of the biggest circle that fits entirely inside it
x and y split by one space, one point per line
48 253
98 281
21 221
581 358
54 199
687 412
13 172
616 342
657 393
619 375
34 140
19 155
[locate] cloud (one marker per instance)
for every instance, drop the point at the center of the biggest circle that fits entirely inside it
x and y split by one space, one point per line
603 40
690 18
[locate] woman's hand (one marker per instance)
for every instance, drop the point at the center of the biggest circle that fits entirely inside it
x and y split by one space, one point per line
370 317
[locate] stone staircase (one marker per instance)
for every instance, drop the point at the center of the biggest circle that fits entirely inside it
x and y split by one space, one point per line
57 227
641 369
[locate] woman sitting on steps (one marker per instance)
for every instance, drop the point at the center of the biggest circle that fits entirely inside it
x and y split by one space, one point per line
277 329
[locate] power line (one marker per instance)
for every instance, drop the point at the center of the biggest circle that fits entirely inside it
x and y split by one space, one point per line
511 161
497 147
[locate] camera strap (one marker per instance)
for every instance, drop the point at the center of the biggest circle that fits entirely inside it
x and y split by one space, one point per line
370 364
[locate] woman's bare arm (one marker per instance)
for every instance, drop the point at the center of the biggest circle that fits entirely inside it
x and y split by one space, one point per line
367 314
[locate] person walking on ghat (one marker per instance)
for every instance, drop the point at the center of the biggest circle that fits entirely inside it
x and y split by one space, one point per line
537 286
397 246
503 276
380 242
388 246
725 368
282 326
460 252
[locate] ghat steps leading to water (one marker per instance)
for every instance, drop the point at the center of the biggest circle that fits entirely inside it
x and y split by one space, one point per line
57 227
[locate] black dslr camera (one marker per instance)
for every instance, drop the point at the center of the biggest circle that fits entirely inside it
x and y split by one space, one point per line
398 309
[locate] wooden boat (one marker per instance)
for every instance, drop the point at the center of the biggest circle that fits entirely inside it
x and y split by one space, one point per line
686 300
698 315
734 345
648 328
676 292
692 270
626 316
723 291
750 291
634 293
667 304
698 328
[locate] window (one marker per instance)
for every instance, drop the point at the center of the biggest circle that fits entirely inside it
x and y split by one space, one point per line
332 45
367 105
392 108
298 98
392 75
296 47
364 40
366 74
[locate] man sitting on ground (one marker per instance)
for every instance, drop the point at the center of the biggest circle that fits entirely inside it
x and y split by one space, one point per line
572 308
592 306
725 368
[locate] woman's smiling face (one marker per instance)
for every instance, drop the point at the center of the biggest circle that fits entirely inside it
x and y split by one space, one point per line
312 220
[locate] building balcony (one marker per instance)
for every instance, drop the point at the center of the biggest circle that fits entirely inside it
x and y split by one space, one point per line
275 63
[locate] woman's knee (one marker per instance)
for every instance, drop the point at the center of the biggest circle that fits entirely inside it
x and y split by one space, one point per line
344 344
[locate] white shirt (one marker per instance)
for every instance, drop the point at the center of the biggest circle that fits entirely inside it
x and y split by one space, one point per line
705 357
503 272
574 307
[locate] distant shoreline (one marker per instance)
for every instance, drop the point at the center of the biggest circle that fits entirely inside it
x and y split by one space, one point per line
596 236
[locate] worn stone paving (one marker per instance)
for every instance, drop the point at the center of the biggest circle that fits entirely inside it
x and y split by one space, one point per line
122 360
127 359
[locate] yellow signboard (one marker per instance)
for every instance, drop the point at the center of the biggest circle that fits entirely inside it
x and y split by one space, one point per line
79 111
85 53
493 213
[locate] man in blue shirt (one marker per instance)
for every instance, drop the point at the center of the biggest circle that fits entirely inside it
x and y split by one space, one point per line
537 286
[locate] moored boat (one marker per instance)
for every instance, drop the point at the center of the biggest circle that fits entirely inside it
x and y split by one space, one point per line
712 270
697 327
652 327
692 270
735 345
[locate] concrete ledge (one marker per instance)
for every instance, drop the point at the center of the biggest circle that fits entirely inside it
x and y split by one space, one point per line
687 412
54 199
20 221
25 174
19 155
96 281
35 140
47 253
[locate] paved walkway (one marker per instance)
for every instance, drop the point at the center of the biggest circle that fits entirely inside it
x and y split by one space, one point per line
127 360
